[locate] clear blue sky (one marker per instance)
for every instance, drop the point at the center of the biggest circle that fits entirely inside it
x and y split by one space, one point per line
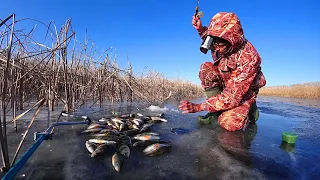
158 33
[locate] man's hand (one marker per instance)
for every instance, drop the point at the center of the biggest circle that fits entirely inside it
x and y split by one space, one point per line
196 22
189 107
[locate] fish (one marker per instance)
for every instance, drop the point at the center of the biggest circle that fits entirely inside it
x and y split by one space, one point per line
126 140
117 125
149 123
139 114
109 137
119 132
95 130
130 125
126 116
111 131
157 149
146 127
159 115
90 146
110 123
99 151
123 127
124 150
148 142
136 127
158 119
130 132
136 122
145 118
163 120
96 125
118 120
146 137
103 120
155 118
102 141
117 161
140 121
148 134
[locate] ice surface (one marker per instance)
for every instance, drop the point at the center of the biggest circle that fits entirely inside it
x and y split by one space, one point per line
205 152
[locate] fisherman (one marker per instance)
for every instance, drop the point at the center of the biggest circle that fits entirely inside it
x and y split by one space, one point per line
232 81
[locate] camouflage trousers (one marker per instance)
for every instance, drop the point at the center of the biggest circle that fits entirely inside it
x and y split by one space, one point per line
232 119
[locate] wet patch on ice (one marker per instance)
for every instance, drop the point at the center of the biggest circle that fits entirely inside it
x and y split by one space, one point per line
179 131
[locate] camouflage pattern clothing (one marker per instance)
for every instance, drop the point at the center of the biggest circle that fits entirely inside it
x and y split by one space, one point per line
238 72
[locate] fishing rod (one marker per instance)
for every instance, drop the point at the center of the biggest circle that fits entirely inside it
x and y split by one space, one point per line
198 13
197 8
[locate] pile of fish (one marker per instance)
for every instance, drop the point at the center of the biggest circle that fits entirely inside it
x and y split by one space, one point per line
122 133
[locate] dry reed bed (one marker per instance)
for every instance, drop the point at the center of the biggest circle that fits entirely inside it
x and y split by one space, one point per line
62 69
305 90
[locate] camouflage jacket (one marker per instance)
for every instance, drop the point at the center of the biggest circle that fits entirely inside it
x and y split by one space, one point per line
239 70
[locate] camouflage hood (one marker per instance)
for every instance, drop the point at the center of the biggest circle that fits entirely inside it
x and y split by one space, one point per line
227 26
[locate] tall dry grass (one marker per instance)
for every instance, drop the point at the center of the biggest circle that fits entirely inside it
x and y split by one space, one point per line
305 90
155 84
53 66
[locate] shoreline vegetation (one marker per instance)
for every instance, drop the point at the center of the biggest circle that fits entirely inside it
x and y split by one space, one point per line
304 90
62 69
51 65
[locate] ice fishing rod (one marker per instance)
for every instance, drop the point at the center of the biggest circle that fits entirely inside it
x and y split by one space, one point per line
198 13
197 8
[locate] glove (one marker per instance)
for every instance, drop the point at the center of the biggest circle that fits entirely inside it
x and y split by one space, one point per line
189 107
